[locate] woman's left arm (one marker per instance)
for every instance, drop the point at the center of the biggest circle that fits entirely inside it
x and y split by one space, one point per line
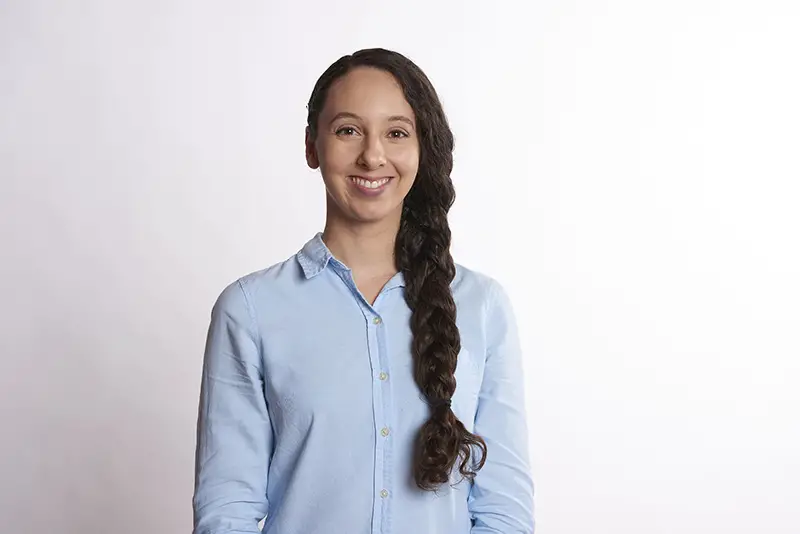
501 496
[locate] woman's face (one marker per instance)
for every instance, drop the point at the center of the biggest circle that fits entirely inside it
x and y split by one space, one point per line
366 147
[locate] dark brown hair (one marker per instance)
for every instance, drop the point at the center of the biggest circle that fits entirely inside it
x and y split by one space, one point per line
422 254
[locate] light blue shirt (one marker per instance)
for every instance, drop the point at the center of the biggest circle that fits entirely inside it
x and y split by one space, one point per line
309 409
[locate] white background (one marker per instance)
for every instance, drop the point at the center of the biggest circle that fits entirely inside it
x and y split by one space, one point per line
628 169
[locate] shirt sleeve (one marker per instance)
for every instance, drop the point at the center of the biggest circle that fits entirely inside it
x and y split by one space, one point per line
501 496
234 434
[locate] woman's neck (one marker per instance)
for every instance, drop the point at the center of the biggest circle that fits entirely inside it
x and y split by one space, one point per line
368 249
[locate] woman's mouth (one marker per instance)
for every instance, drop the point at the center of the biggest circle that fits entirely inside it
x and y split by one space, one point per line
369 186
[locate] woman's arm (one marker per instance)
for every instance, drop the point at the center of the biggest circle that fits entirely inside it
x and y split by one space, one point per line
501 497
234 435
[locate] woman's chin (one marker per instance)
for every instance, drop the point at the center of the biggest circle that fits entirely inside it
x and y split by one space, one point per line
362 211
373 213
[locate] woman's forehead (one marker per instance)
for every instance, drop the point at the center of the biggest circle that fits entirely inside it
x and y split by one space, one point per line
368 93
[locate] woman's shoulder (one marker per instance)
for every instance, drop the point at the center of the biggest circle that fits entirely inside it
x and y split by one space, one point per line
282 271
252 286
476 287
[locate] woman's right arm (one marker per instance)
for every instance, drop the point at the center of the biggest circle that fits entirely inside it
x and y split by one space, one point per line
234 434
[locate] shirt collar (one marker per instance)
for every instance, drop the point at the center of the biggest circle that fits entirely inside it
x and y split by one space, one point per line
315 256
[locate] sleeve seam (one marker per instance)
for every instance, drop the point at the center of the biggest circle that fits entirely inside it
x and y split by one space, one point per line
491 305
251 312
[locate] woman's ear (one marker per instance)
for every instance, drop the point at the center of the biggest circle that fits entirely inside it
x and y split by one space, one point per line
311 151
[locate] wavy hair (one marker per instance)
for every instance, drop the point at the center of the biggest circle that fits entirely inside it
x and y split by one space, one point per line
422 254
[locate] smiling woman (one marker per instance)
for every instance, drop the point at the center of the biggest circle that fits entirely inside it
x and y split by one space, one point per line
367 384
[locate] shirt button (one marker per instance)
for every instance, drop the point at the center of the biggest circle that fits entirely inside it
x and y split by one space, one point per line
384 494
384 432
377 320
383 376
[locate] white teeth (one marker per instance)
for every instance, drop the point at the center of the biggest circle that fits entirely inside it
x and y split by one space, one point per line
369 184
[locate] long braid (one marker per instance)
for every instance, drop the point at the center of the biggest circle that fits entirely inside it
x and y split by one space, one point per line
422 253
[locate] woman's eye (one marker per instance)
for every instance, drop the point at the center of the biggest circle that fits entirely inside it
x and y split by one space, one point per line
397 134
346 130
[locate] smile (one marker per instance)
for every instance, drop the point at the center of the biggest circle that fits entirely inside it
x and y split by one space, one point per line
369 183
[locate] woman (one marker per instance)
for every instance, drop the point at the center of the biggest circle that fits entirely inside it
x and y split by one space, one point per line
367 384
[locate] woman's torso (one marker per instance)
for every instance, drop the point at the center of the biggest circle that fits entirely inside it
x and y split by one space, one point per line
342 401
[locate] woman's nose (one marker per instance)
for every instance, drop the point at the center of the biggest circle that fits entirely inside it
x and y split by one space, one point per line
373 155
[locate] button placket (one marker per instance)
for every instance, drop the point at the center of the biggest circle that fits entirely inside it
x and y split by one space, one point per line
382 387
